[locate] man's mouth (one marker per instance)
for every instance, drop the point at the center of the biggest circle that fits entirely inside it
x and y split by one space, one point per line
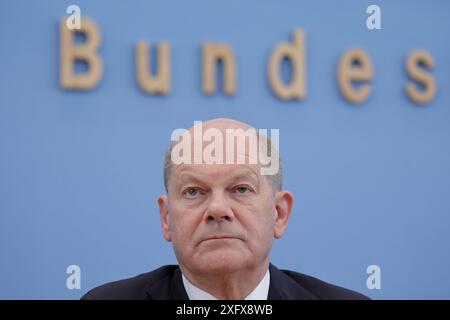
219 237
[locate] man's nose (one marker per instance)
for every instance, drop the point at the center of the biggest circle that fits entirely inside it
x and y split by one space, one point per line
218 208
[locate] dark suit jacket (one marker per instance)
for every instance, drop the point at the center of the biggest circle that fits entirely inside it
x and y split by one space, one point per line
165 283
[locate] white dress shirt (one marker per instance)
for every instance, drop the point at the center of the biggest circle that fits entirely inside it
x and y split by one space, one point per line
259 293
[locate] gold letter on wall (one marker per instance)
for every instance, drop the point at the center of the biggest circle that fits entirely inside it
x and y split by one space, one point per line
211 54
296 54
71 52
159 84
412 67
348 73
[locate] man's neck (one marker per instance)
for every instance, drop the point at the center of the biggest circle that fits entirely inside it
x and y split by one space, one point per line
228 286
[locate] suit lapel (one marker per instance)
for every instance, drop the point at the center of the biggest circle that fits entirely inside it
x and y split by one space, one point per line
282 287
168 287
178 290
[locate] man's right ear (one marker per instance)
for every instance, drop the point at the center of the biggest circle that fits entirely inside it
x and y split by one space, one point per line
164 217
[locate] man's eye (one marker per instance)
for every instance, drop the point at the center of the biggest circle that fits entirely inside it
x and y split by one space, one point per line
191 192
242 189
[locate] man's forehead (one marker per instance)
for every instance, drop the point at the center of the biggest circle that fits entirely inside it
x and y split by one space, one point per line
198 171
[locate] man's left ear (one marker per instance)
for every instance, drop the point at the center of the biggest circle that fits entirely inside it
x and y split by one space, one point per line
284 201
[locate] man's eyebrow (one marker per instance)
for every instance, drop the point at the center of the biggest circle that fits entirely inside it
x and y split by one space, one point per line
245 175
184 177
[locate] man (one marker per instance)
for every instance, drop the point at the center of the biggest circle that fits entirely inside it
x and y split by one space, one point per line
221 216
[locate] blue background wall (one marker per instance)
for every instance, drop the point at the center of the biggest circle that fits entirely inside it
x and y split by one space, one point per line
80 171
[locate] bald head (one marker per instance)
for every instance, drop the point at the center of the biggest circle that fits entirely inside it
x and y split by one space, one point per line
231 129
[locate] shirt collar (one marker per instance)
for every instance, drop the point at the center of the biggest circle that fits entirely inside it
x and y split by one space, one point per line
259 293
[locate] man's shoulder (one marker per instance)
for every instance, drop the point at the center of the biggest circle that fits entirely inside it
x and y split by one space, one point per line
135 288
319 289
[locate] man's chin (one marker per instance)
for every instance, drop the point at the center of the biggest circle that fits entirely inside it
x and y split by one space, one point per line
221 262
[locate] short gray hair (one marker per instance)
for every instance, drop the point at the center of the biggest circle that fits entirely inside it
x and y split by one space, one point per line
275 180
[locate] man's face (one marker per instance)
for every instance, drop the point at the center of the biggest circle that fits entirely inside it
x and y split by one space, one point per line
220 218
